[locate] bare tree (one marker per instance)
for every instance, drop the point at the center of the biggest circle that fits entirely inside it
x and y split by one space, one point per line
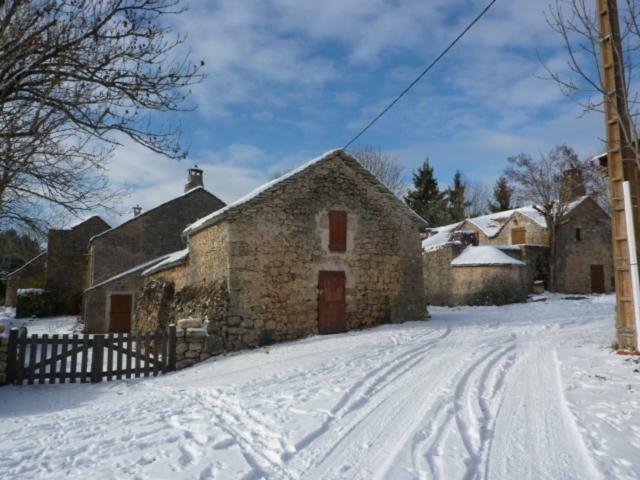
77 76
384 166
580 78
545 183
477 198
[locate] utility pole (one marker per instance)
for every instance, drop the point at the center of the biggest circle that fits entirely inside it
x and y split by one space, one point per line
622 167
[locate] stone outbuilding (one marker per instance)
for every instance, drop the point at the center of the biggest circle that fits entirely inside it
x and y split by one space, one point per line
61 270
118 256
584 261
326 248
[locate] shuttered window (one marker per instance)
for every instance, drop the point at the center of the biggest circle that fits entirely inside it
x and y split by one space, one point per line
337 231
518 236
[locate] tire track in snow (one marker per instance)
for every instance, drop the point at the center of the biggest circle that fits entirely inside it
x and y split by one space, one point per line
467 413
535 434
356 438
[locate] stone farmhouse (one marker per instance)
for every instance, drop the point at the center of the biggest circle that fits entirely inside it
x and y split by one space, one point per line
583 262
117 256
61 271
326 248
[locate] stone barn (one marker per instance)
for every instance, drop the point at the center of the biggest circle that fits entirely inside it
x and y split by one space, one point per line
324 249
61 270
119 255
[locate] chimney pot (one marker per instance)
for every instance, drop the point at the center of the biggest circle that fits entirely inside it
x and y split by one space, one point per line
137 210
194 179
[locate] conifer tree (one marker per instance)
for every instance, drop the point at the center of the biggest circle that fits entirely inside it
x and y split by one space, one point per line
502 194
456 199
425 198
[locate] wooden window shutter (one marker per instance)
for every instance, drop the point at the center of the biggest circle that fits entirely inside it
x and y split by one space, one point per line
518 236
337 231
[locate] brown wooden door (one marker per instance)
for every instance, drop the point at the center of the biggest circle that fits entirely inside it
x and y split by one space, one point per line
121 306
597 279
332 303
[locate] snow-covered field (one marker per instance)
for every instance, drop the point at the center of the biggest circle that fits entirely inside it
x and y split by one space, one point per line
62 324
527 391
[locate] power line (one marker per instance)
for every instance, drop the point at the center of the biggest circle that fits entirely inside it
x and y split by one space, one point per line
424 72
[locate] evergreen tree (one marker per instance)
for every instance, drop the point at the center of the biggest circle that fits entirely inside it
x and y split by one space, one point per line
425 198
502 194
456 199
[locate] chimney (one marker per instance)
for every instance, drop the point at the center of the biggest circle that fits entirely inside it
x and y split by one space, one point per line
572 185
137 210
194 179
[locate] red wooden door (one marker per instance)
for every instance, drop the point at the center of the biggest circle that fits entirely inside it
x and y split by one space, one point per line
121 307
332 303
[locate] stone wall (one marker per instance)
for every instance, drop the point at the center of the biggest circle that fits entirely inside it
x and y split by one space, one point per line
279 245
574 258
536 259
488 285
33 274
96 301
148 236
267 257
67 264
438 279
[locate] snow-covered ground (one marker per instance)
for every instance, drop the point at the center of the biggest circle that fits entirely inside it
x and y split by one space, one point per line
62 324
530 391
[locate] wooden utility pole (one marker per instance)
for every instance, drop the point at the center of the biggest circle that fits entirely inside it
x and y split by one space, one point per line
622 167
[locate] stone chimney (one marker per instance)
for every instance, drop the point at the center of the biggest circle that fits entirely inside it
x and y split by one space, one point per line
572 185
137 210
194 179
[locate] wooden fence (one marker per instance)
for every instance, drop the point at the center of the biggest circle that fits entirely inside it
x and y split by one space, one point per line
88 358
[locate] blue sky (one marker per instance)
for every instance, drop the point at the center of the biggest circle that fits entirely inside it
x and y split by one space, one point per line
291 79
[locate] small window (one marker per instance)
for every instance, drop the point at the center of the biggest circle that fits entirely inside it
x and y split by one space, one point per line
578 235
518 236
337 231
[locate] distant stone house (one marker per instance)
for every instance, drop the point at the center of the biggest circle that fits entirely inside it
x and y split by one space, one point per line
583 261
326 248
61 270
118 256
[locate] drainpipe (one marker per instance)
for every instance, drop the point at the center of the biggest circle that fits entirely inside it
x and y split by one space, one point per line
633 258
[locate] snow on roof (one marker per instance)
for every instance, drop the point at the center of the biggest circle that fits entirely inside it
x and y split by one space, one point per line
28 263
214 217
173 259
491 224
137 268
440 236
27 292
484 255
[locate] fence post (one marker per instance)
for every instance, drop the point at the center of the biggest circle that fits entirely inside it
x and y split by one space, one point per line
172 348
12 364
96 360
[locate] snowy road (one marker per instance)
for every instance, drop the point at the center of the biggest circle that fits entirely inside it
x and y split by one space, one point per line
523 391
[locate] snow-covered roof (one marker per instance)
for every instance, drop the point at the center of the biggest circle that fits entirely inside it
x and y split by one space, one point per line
440 236
484 255
173 259
131 271
133 219
218 215
26 292
34 259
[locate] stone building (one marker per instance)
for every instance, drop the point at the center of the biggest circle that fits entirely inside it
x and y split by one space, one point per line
326 248
118 255
61 270
583 260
